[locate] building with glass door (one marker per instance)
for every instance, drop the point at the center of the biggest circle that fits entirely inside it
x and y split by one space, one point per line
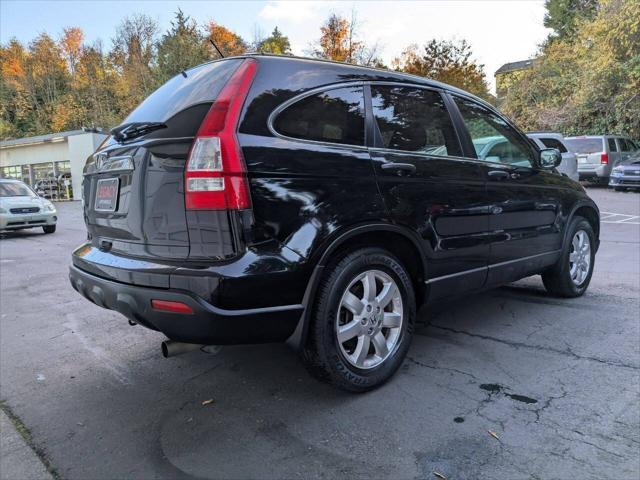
51 164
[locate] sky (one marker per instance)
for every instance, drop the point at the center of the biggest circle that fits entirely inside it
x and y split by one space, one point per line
499 31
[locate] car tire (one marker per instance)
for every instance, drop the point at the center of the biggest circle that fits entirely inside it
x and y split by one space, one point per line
341 328
49 228
571 274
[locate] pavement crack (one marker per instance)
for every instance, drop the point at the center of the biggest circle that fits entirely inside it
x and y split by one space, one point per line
568 352
435 367
25 433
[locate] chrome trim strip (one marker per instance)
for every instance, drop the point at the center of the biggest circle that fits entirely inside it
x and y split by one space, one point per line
489 267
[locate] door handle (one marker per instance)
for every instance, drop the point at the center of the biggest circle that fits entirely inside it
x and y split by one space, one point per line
498 174
399 168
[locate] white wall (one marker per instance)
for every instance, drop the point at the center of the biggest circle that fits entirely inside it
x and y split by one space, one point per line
80 147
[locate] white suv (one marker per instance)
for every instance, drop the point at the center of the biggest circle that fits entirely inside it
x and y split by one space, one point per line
569 165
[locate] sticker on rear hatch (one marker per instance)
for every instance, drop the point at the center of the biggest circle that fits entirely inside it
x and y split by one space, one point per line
107 195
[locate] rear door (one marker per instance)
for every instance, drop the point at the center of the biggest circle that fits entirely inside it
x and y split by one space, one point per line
428 186
525 203
133 188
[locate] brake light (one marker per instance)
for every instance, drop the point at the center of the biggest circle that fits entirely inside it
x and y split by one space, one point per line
604 159
173 307
215 177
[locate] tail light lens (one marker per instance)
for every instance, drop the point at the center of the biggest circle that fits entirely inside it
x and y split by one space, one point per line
215 177
604 159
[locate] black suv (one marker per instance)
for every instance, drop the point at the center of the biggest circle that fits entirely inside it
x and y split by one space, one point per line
268 199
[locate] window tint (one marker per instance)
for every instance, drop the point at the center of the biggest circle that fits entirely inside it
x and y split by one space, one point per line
625 146
554 143
335 116
202 84
413 120
493 140
612 145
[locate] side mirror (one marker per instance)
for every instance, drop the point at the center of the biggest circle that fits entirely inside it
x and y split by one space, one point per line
550 158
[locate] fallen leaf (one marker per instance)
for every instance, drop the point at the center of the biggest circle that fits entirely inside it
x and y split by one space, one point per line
207 402
439 475
493 434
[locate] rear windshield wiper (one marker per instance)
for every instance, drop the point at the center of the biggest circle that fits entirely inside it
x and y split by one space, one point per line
135 129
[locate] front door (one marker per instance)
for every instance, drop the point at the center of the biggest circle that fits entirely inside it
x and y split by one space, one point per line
428 186
525 202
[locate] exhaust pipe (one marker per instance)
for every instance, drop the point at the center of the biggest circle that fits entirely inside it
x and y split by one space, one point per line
171 348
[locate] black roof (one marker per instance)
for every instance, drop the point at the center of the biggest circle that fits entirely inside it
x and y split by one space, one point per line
513 66
361 72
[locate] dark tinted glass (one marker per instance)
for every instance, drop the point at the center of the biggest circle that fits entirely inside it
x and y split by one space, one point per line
554 143
625 146
414 120
612 145
493 139
202 84
335 116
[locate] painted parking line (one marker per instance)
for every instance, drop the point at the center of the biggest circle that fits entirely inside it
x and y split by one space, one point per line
610 217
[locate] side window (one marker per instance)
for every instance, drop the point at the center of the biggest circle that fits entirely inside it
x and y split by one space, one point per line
612 145
493 139
554 143
624 145
335 116
414 120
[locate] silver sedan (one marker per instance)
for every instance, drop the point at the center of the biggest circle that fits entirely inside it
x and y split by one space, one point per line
21 207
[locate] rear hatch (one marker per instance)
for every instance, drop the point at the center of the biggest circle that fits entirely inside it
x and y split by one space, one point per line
134 185
588 150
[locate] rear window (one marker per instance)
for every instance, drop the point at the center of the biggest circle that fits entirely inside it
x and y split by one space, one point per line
554 143
335 116
201 85
585 145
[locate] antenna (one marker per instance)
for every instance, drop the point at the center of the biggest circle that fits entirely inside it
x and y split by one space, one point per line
217 49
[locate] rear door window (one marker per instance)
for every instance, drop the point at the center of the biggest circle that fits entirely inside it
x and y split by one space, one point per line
554 143
612 145
625 145
413 120
335 116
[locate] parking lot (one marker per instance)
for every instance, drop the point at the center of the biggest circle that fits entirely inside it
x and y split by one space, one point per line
509 383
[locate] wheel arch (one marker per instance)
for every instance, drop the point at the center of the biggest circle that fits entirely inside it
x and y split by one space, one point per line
399 241
590 212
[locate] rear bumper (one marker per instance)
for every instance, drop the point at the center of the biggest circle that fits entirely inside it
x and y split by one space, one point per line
207 325
591 171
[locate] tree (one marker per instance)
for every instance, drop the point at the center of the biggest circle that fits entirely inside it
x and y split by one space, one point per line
71 45
182 47
133 55
446 61
339 41
275 43
588 82
563 15
227 41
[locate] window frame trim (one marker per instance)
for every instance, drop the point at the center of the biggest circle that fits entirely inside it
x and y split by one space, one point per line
468 144
308 93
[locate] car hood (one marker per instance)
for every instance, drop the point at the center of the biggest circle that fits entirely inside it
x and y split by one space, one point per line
633 162
21 202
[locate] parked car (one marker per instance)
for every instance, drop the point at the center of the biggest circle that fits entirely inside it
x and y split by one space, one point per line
21 208
599 154
626 174
569 165
268 199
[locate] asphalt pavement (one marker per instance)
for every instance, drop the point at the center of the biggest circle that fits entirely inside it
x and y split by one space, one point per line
506 384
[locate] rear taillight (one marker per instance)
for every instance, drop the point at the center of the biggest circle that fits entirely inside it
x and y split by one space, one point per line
215 177
604 159
172 307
